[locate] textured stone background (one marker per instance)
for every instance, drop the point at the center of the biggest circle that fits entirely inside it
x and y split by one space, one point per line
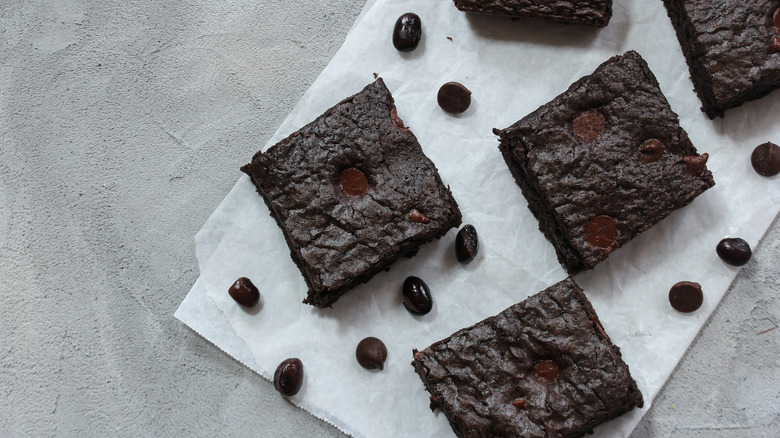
122 127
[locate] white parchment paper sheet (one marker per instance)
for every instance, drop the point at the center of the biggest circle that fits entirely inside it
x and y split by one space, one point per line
512 67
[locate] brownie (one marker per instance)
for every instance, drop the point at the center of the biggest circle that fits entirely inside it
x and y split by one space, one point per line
732 48
591 12
541 368
352 191
603 161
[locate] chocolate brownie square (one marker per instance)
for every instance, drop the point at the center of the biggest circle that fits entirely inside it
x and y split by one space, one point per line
732 48
541 368
604 161
352 191
591 12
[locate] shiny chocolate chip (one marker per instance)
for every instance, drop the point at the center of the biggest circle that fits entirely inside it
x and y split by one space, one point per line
353 182
371 353
734 251
774 46
417 296
652 150
589 125
454 98
416 216
766 159
466 244
601 232
546 369
288 377
686 296
696 164
407 32
244 292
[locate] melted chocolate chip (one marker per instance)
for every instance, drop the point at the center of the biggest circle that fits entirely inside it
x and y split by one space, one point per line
601 232
589 125
696 164
546 369
354 182
407 32
766 159
519 403
652 150
416 216
244 292
371 353
774 47
417 296
734 251
466 244
454 98
776 19
288 377
686 296
397 120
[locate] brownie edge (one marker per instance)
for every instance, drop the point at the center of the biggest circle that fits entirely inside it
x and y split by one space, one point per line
588 12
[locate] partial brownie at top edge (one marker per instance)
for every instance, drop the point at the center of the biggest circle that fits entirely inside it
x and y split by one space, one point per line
590 12
604 161
346 190
543 367
732 48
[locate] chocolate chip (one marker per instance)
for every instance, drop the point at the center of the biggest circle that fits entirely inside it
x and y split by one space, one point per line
454 98
766 159
354 182
244 292
546 369
466 244
519 403
696 164
288 377
589 125
652 150
407 32
686 296
371 353
776 19
601 232
417 296
734 251
397 120
775 46
416 216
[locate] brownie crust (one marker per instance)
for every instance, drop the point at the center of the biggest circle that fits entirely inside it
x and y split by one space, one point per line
590 12
728 47
339 240
582 159
486 381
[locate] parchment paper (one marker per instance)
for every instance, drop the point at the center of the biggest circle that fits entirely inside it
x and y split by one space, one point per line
512 67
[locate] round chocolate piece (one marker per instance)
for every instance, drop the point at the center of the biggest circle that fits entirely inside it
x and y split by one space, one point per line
288 377
734 251
371 353
766 159
466 244
454 98
244 292
354 182
546 369
417 296
407 32
686 296
601 232
652 150
589 125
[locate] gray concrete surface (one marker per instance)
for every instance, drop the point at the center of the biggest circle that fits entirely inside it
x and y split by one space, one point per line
119 137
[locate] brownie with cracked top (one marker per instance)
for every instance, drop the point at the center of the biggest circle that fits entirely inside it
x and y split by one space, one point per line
603 161
544 367
590 12
732 48
352 191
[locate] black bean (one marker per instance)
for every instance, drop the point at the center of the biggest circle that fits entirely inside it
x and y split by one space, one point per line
407 32
288 377
244 292
417 296
734 251
466 244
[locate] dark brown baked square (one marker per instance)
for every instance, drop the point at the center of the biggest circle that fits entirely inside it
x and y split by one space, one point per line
591 12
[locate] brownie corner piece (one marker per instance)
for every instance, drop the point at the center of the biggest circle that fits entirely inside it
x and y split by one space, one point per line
588 12
352 192
603 161
543 367
732 49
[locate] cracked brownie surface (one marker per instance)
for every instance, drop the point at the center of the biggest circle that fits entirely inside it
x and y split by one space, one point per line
592 12
728 45
343 189
604 161
541 368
